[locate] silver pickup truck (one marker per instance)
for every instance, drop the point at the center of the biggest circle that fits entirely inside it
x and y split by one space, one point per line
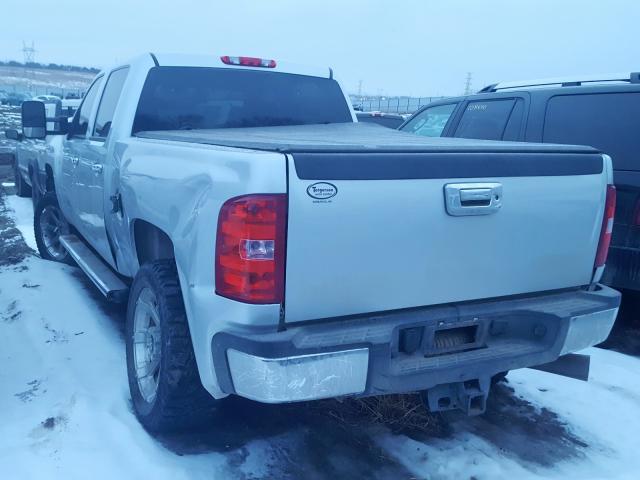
269 246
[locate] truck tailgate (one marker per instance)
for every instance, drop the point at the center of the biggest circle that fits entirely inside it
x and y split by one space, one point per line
372 232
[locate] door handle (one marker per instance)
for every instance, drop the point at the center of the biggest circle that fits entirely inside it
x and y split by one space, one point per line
463 199
96 167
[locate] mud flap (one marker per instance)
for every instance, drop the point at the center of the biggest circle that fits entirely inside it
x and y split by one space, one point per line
572 365
469 396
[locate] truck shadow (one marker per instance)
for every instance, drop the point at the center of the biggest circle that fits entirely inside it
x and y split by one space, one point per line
304 441
296 440
527 433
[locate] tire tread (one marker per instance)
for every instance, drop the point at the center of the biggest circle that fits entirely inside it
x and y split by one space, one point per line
182 401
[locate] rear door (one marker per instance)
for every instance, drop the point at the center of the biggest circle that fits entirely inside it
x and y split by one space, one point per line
370 232
93 165
72 187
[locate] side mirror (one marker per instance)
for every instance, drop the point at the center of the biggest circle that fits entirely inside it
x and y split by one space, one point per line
12 134
34 119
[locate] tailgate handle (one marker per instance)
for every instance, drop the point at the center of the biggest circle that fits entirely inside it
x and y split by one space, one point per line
475 197
463 199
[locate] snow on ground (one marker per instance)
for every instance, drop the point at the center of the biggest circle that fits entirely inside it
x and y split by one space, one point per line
23 218
65 410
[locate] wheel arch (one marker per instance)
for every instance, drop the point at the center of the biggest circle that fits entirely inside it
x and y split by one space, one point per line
49 181
150 242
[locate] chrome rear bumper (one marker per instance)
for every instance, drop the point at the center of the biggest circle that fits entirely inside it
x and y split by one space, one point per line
304 377
367 356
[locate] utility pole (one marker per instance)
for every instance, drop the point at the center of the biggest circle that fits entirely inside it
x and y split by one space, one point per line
29 52
467 86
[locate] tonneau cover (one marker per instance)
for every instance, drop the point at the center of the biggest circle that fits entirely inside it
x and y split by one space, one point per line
347 138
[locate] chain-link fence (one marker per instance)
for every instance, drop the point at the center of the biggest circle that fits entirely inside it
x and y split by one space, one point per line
35 90
391 104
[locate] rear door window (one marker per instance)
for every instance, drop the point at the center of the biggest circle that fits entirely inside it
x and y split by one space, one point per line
606 121
486 119
109 102
514 124
431 121
81 120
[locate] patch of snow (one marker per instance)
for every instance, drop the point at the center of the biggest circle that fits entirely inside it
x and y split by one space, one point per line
8 184
23 208
65 409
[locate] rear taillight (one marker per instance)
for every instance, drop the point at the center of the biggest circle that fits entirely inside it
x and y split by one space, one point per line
607 227
248 61
250 248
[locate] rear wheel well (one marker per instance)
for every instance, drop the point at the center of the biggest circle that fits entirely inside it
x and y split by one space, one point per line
151 243
49 184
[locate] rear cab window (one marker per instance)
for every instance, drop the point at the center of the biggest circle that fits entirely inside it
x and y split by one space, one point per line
431 121
499 119
185 98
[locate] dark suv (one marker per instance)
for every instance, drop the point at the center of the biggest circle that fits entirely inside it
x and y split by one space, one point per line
600 111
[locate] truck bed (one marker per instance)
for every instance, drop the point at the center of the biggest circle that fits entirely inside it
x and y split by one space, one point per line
348 138
381 234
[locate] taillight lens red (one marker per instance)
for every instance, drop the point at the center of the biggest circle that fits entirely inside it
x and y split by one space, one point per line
250 248
607 227
248 61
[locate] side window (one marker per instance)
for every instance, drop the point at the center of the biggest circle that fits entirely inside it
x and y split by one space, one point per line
431 121
109 101
485 119
514 124
606 121
81 120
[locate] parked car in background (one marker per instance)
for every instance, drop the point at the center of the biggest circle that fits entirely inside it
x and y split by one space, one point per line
69 106
599 110
16 99
270 246
389 120
29 150
47 98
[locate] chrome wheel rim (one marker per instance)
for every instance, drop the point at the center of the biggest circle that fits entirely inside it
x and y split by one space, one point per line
147 344
52 226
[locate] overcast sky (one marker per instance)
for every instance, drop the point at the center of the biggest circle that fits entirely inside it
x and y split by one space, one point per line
400 47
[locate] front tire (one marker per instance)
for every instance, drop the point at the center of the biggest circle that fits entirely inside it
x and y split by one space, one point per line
22 188
165 386
48 225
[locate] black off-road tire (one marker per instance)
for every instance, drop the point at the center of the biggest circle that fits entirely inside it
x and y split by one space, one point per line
49 200
181 402
22 188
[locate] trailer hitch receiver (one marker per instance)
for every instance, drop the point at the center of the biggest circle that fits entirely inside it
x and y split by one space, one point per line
469 396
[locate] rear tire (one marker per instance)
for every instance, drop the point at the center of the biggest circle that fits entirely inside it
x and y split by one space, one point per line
48 225
22 188
165 386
